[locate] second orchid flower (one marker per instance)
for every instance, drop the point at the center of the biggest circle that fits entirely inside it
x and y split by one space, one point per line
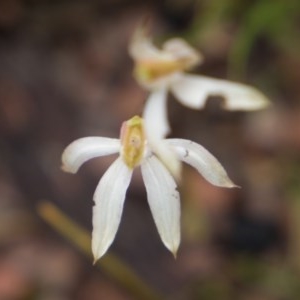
163 70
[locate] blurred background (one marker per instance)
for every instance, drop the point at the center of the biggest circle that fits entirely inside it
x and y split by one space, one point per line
65 73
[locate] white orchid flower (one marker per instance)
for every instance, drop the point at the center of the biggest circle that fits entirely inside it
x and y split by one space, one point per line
164 70
161 187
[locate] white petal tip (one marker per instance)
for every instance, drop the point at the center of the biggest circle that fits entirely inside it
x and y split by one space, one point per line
227 183
175 253
264 103
231 185
67 164
173 245
96 258
174 250
67 169
254 101
236 186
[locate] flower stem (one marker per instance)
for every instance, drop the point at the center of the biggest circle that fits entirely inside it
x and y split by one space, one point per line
110 264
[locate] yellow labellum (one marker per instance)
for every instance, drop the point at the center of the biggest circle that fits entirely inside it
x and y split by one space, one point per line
151 70
133 141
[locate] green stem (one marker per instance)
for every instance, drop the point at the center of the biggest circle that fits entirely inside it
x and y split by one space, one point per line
110 264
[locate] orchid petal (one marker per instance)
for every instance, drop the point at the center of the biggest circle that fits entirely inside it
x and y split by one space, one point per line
141 47
81 150
181 50
202 160
164 202
157 127
155 114
193 90
109 199
167 156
